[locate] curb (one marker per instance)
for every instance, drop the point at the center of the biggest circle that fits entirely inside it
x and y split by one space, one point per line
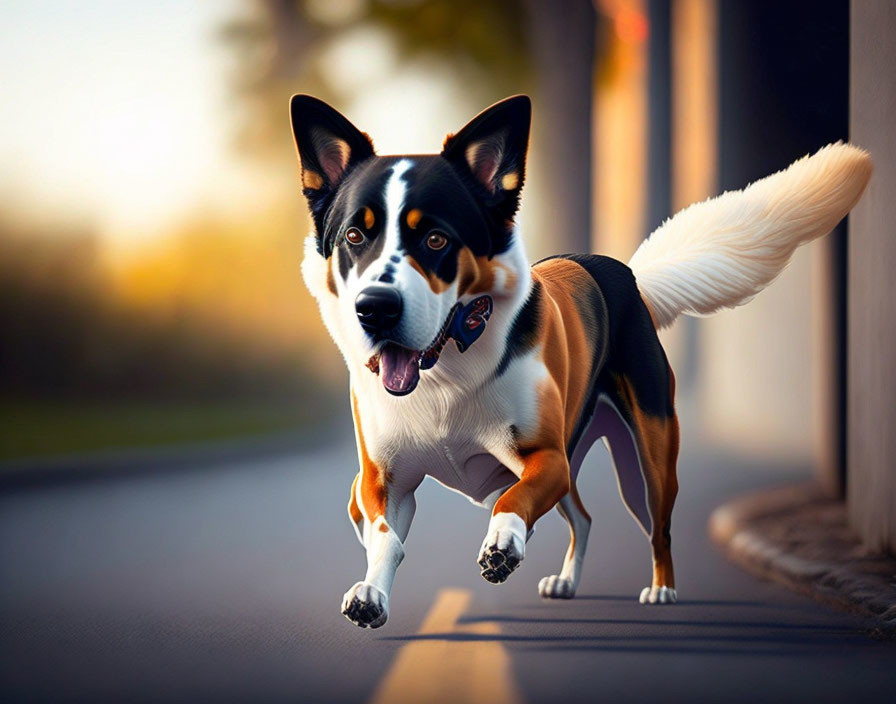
799 537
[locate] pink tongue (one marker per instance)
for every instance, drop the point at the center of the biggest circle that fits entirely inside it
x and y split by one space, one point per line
399 369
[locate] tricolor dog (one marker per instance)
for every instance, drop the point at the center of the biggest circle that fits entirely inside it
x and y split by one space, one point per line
495 377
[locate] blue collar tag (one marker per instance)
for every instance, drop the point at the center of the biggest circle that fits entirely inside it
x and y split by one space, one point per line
469 322
466 324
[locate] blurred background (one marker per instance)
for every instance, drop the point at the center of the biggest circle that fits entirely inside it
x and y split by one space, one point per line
151 220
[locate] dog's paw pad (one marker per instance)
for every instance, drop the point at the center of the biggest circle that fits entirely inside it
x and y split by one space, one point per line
503 548
556 587
365 606
497 563
658 595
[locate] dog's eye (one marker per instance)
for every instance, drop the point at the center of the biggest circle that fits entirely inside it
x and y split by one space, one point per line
436 241
354 235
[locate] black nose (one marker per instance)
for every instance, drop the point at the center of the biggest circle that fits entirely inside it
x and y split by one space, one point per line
378 308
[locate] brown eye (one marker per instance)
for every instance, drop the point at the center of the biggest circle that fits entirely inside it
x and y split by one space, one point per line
354 235
436 241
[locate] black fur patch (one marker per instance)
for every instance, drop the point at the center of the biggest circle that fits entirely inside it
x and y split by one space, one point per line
524 330
434 188
634 350
387 277
363 188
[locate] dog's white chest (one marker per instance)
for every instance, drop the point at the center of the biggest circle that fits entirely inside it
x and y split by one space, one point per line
469 470
462 441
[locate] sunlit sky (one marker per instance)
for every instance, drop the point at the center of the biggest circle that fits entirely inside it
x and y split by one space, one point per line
121 113
113 111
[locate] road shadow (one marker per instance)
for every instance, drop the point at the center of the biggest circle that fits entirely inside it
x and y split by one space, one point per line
680 602
683 623
780 639
739 635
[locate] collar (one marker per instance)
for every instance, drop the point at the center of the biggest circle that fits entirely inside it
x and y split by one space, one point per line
466 325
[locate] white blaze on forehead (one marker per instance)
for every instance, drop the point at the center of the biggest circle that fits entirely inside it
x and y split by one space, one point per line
396 189
393 195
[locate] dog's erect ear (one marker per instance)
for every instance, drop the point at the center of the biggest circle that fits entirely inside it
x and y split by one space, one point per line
491 151
328 145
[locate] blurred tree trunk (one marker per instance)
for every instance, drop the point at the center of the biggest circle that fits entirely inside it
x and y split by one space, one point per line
562 36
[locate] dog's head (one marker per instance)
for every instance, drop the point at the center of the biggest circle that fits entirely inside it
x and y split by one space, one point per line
408 242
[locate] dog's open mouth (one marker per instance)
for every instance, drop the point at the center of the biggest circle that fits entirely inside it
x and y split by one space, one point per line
399 366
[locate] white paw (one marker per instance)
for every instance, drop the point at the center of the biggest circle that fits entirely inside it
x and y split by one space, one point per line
365 606
556 587
504 547
658 595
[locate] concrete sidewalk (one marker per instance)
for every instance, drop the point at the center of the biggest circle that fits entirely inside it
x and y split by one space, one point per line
800 537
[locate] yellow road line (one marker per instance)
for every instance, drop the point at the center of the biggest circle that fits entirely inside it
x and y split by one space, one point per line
435 670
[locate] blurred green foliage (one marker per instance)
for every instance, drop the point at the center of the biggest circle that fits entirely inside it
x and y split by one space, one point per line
277 51
42 427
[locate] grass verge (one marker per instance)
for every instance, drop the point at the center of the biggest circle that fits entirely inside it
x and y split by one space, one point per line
45 428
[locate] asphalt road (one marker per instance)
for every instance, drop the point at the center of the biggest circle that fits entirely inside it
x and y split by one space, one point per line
219 578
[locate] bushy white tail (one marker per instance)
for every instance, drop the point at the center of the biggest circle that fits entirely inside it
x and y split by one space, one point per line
723 251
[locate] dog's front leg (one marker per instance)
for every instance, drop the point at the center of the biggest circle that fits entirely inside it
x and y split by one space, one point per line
366 604
543 482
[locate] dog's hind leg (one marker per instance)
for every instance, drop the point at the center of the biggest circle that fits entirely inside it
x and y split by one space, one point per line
659 456
564 585
655 440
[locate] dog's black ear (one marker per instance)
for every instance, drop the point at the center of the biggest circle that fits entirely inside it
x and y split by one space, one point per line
490 151
329 147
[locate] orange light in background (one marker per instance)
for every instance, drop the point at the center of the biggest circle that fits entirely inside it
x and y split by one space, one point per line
694 102
631 25
620 132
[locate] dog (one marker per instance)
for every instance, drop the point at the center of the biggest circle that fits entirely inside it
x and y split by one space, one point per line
494 377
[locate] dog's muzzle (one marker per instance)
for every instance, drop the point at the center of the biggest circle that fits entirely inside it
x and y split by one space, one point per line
378 309
400 366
